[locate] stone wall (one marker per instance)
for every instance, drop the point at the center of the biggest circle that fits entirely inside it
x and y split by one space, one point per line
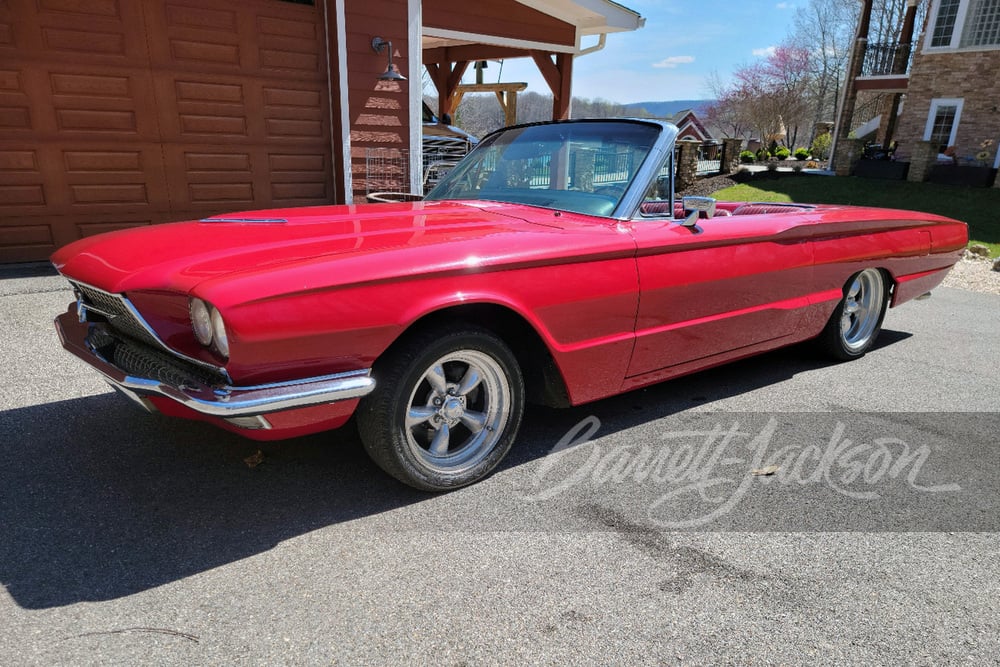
968 75
923 156
687 164
848 152
730 160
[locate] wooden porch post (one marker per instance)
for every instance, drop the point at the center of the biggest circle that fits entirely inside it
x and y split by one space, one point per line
446 79
559 76
562 98
839 160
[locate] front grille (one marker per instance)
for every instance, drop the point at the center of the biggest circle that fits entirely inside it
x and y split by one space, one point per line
142 361
116 311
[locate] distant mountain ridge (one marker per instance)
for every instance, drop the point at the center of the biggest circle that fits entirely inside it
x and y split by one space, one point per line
668 109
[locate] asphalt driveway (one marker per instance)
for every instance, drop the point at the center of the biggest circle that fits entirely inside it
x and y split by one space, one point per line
638 530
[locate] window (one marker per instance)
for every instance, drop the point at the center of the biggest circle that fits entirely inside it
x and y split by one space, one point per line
965 24
942 122
584 167
983 25
944 26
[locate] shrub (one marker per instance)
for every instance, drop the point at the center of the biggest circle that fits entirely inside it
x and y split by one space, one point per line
782 153
747 157
821 146
801 153
763 155
772 165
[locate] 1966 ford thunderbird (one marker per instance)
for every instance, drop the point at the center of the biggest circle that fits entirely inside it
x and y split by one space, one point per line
553 264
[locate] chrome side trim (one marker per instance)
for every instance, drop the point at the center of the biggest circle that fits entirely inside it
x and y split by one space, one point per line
227 401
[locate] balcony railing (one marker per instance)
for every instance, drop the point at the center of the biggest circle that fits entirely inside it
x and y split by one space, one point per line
887 59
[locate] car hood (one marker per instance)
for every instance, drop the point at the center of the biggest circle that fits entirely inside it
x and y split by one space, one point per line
368 242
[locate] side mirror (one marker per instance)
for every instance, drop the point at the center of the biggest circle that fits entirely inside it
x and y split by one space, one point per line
694 207
446 119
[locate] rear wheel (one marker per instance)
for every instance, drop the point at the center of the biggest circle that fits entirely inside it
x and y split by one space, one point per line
857 320
446 408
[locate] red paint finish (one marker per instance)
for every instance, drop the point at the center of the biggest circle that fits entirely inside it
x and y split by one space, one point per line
287 424
619 304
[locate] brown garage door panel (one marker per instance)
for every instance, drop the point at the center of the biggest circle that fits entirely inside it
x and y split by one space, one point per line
210 178
101 32
26 242
118 113
35 238
241 109
67 101
245 37
80 177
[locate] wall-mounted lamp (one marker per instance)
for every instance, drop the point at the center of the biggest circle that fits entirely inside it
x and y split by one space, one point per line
391 72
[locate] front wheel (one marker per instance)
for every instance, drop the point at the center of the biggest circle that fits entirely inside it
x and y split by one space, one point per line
446 408
857 320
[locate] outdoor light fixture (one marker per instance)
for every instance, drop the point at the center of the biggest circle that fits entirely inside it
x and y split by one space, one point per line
391 73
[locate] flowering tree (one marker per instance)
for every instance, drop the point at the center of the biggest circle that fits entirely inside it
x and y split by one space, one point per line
768 98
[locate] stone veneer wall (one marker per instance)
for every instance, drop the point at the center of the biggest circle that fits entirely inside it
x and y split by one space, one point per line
687 165
970 75
729 162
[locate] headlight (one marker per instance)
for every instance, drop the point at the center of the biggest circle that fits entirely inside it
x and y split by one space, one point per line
201 321
219 334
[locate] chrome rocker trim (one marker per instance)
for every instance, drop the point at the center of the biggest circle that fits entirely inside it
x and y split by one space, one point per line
227 401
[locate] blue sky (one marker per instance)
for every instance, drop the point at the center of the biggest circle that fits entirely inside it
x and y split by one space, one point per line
671 57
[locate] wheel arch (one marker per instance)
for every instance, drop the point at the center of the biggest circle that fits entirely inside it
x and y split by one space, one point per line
891 284
543 380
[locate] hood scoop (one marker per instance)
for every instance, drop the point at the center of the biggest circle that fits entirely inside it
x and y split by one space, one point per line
256 221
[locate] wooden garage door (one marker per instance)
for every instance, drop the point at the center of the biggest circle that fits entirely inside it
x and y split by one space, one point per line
116 113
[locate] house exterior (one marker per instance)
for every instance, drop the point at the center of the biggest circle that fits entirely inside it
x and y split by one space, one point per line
691 128
931 94
952 98
117 113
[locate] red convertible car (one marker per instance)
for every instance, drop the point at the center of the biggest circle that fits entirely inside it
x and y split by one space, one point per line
553 264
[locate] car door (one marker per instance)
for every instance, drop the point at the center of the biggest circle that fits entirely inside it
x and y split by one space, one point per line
729 284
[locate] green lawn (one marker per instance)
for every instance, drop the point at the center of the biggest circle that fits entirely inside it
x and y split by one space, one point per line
979 207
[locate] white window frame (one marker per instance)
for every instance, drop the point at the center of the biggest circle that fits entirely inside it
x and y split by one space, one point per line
958 103
956 35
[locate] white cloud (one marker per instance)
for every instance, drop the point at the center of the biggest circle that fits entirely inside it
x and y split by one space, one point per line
783 5
674 61
765 52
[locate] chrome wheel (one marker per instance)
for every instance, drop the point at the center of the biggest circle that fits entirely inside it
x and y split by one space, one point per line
446 409
864 304
457 411
855 323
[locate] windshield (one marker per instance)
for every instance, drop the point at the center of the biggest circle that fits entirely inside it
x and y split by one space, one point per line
581 167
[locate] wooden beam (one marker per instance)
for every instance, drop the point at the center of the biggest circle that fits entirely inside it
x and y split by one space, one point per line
446 78
450 54
438 78
512 86
561 100
559 76
548 69
446 102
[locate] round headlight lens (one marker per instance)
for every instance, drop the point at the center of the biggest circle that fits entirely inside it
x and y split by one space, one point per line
219 334
201 321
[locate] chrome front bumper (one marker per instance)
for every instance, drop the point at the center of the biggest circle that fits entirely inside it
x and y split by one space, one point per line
222 400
